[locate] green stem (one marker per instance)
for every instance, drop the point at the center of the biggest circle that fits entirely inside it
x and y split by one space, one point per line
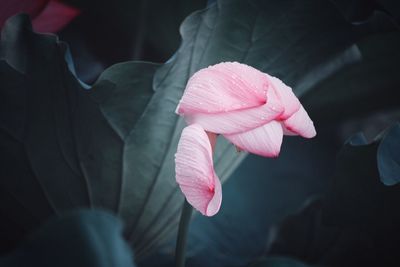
180 250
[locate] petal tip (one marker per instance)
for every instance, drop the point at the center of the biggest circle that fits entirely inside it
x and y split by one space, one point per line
301 124
270 154
211 212
178 109
312 134
215 202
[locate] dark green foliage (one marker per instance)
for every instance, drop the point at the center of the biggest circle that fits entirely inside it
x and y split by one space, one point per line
79 238
259 194
64 146
389 156
108 32
277 262
365 86
369 84
110 147
301 43
354 224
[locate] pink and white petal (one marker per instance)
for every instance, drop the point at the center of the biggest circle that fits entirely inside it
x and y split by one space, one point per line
289 100
264 141
224 87
301 124
195 171
236 121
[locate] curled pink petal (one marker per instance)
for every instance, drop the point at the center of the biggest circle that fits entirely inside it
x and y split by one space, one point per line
224 87
289 101
195 171
264 141
301 124
239 120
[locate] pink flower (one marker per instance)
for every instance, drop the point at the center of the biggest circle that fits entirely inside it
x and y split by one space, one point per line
251 109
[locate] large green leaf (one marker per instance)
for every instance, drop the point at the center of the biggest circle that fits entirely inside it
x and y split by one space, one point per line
302 43
66 147
63 146
79 238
